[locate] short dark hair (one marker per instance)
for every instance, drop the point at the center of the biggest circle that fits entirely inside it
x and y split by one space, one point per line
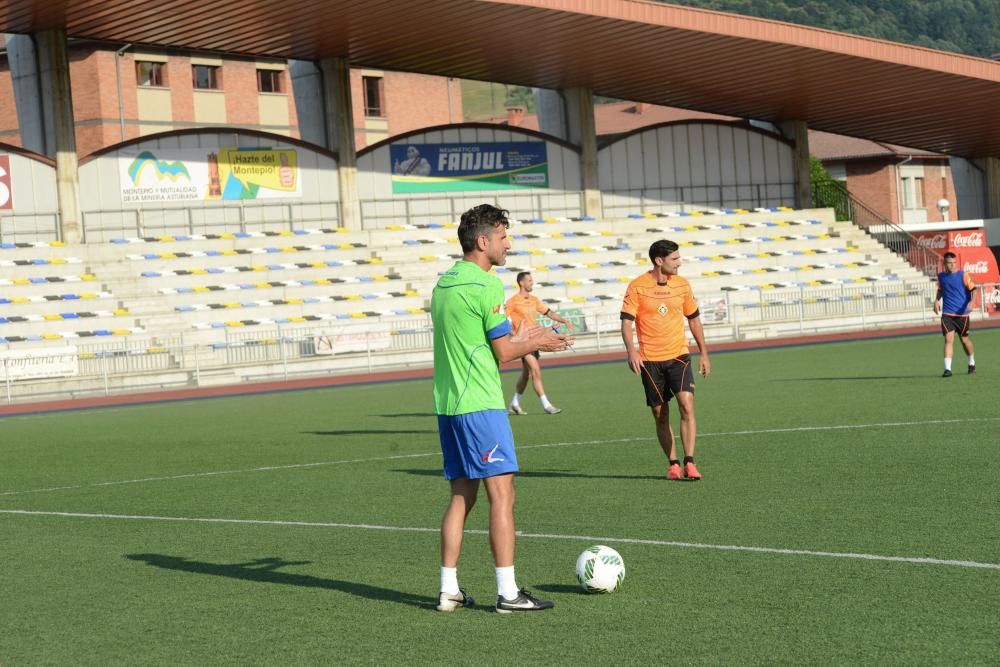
662 248
521 276
950 255
477 221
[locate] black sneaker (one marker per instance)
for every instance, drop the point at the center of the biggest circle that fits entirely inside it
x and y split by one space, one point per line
524 601
972 369
449 602
946 374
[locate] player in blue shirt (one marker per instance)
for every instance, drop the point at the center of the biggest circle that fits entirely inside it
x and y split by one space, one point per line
954 300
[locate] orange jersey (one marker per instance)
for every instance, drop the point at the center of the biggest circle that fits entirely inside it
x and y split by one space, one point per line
524 309
659 312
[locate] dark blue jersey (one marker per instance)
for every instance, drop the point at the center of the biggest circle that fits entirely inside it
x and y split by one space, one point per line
956 292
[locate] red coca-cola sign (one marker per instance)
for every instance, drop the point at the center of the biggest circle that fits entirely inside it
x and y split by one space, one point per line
967 238
979 263
932 241
973 268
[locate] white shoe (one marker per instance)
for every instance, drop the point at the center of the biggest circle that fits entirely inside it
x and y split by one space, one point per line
553 410
449 602
516 409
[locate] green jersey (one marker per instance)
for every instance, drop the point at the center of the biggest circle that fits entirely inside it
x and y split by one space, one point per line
467 313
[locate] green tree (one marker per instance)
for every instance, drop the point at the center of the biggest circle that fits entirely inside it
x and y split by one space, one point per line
827 192
971 27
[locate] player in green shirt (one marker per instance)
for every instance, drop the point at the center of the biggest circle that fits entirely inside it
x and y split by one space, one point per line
472 337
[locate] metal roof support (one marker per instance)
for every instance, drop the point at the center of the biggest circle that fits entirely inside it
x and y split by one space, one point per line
582 131
307 89
551 109
337 109
53 67
28 101
992 165
798 132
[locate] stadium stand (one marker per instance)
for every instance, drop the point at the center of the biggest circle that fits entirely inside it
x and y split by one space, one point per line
215 302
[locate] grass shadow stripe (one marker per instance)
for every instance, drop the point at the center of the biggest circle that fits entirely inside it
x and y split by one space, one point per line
397 457
594 539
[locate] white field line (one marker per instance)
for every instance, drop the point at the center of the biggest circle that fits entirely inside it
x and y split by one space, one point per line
316 464
592 539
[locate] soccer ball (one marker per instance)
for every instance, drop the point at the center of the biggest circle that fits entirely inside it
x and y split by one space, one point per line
600 569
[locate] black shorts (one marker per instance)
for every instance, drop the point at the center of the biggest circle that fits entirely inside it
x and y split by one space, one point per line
960 324
664 379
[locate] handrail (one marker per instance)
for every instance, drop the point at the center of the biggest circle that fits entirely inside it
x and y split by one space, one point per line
892 236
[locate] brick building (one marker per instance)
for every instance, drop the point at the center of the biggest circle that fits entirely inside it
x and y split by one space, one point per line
127 92
134 91
903 184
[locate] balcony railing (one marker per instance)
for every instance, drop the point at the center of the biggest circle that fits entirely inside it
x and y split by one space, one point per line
848 207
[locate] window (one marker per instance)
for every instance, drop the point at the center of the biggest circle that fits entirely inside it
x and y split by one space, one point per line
269 81
150 74
373 95
205 77
913 192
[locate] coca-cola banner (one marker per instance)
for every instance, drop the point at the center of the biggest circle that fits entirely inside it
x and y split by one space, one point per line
953 240
937 241
966 238
979 263
969 246
991 299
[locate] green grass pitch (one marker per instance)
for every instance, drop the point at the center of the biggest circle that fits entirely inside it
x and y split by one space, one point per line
849 514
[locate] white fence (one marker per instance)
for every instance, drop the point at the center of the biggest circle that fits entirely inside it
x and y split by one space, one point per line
134 365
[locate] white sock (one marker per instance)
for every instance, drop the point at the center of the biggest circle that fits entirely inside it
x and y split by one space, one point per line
449 580
545 401
506 583
972 360
947 363
516 400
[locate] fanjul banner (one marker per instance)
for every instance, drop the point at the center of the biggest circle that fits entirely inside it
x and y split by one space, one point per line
188 174
468 166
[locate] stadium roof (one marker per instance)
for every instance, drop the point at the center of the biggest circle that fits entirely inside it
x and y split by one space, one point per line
629 49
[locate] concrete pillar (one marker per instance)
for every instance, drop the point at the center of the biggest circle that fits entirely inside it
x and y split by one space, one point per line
339 123
53 69
551 113
798 132
583 132
569 115
307 89
991 179
28 100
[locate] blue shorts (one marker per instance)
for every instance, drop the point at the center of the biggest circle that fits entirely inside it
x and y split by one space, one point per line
477 444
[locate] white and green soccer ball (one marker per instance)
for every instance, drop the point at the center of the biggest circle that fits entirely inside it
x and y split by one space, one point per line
600 569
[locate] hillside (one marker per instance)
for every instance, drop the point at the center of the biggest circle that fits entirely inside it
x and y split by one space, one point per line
971 27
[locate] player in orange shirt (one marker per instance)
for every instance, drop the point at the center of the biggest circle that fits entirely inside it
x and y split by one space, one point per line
526 307
657 303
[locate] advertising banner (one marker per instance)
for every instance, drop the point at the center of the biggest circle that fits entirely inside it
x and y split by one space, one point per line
199 174
468 166
35 364
969 246
353 341
991 299
6 188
